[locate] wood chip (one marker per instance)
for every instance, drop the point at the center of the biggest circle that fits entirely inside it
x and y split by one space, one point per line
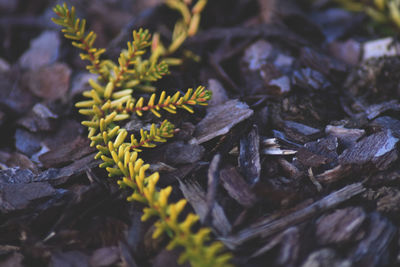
373 250
220 119
340 226
237 187
378 149
249 157
197 198
267 227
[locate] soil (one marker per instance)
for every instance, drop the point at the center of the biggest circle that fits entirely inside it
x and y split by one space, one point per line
295 162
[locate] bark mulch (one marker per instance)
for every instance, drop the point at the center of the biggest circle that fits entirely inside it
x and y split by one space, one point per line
295 162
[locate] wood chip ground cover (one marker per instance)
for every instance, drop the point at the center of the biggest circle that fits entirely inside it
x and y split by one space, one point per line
294 163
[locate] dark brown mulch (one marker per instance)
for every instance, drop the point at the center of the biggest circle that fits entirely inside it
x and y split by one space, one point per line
294 163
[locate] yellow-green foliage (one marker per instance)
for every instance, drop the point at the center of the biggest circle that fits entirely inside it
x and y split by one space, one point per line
110 101
381 11
188 25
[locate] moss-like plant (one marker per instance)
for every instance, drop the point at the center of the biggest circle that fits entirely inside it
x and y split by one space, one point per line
110 101
381 11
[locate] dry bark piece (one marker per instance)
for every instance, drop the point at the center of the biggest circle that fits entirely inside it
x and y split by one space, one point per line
126 255
43 111
104 257
69 258
220 119
384 47
14 95
374 250
262 119
326 146
60 176
39 119
170 176
136 123
272 147
387 200
284 63
300 132
219 94
185 132
4 65
321 62
14 260
346 137
280 85
66 153
197 198
325 258
16 176
378 78
289 247
66 133
378 149
385 178
212 185
269 227
289 169
26 142
249 157
161 167
388 123
49 82
135 233
80 83
258 69
348 51
335 174
4 156
310 79
181 153
257 54
374 111
34 123
341 226
20 160
315 154
16 197
277 190
237 187
43 51
310 159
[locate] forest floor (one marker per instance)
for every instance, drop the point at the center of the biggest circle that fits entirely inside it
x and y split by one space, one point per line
303 126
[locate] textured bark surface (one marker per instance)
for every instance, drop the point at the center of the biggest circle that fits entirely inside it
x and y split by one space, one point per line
294 163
